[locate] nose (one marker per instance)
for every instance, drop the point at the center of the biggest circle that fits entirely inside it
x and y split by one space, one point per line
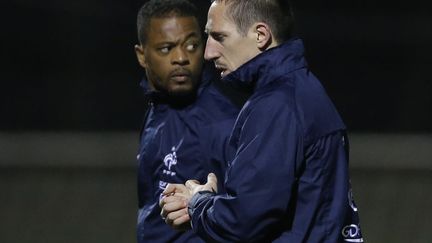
179 56
210 52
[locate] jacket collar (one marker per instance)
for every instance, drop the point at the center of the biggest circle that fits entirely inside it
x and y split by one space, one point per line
269 65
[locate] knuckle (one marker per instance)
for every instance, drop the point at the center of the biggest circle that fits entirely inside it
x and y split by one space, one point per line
170 217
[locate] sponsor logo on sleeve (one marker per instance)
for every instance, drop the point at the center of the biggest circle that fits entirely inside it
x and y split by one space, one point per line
352 233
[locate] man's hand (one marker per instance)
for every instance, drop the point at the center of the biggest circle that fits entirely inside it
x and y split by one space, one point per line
194 187
176 198
174 206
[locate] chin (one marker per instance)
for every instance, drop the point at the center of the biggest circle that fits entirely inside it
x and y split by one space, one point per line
186 90
182 97
224 73
187 87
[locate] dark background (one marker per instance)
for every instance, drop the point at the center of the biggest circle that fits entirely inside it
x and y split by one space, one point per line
70 65
71 109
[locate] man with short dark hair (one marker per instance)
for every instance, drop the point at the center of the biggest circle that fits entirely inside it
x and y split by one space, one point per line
287 179
188 120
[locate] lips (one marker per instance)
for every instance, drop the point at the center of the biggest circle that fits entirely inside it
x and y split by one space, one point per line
221 68
180 75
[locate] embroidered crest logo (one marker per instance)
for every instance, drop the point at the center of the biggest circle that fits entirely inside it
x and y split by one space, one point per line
171 159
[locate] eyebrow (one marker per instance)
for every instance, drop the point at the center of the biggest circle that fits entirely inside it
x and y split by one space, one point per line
207 29
212 33
190 35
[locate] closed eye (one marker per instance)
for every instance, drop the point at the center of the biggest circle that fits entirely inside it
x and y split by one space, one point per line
218 37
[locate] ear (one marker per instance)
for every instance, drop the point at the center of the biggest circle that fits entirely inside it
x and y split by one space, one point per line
264 36
139 51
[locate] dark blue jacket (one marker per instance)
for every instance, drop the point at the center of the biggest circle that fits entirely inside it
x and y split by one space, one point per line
288 179
179 143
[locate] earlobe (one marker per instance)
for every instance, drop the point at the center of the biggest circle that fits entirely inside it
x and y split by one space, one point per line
139 51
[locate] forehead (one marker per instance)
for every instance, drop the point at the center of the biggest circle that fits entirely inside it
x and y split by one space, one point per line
172 27
218 19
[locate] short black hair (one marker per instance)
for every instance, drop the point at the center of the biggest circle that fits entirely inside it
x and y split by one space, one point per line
162 8
277 14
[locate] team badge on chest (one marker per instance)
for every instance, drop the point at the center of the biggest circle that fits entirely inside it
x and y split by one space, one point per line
170 160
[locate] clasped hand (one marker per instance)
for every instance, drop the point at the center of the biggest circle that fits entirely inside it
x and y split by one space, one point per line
175 199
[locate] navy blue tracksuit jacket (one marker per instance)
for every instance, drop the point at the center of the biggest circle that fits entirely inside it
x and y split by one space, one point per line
288 179
179 143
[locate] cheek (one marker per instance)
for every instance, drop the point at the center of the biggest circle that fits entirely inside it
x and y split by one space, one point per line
234 58
159 64
196 64
242 53
159 72
233 54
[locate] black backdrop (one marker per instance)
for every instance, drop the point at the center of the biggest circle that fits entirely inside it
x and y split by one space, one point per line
70 65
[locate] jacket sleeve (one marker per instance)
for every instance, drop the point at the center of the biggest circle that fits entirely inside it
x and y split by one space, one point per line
260 179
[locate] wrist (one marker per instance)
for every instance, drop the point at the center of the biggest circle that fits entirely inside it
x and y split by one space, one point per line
196 199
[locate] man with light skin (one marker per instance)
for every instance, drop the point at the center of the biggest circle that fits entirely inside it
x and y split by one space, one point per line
287 178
